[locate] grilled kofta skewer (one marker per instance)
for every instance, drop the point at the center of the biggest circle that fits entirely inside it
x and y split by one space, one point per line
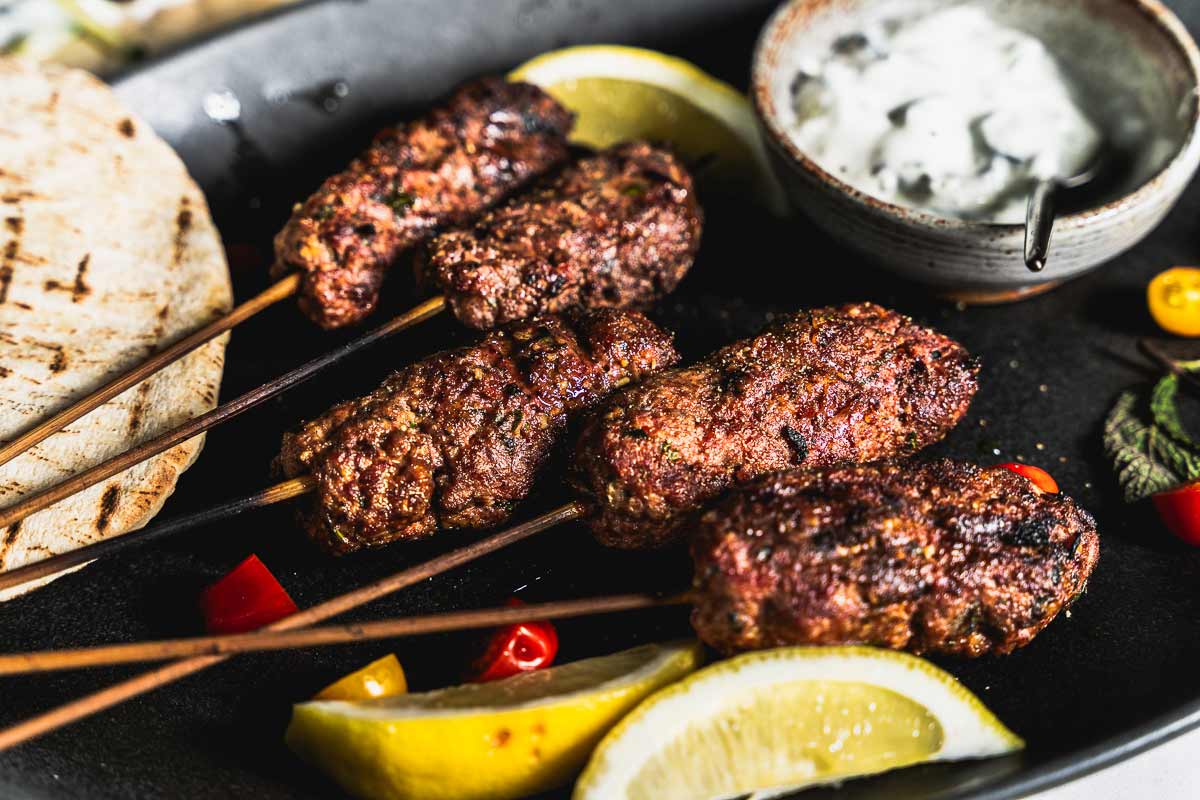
486 141
940 557
851 384
615 230
456 440
378 475
619 228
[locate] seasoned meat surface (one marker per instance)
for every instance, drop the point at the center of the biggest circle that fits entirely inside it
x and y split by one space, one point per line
455 440
940 557
483 143
851 384
619 228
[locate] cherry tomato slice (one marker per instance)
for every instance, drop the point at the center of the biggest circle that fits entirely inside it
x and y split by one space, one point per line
1040 478
517 648
247 598
1174 300
1179 510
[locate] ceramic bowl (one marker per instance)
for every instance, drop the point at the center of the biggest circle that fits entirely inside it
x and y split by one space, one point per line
1116 52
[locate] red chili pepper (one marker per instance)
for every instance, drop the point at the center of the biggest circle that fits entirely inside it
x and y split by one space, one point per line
247 598
1041 479
1179 510
523 647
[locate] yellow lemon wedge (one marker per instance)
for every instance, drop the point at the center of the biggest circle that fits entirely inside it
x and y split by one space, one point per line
504 739
383 677
790 718
622 93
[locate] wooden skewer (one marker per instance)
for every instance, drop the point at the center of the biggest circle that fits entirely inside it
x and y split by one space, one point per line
117 544
111 696
109 655
163 358
197 425
1166 362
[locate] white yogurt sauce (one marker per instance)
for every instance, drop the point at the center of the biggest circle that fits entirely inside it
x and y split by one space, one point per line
950 112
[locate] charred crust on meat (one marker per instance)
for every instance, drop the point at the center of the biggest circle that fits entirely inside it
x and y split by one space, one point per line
577 238
1028 532
897 556
455 441
441 170
796 441
822 387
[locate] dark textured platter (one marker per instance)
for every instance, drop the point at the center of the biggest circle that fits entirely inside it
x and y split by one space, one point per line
1117 676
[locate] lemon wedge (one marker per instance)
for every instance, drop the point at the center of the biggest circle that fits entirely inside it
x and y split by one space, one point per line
622 93
790 718
505 739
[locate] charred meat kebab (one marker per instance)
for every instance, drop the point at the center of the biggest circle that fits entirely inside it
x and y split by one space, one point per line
489 139
455 440
939 557
619 228
851 384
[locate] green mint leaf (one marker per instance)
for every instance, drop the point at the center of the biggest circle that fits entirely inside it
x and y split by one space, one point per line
1133 444
1175 447
1180 460
1165 411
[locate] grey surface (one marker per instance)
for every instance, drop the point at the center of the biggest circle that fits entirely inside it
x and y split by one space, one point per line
392 54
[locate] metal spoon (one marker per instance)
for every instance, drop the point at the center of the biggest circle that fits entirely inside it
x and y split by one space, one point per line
1039 214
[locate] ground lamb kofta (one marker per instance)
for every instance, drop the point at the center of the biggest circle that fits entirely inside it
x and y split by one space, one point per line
618 228
939 557
490 138
455 440
841 385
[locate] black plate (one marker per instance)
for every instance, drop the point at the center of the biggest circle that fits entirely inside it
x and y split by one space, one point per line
1115 677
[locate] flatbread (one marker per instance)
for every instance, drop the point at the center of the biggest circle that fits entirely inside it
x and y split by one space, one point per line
107 251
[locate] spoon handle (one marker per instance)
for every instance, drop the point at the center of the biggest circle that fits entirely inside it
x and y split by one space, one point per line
1039 222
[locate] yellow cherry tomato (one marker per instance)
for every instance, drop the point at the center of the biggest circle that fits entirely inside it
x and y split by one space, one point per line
1174 298
380 678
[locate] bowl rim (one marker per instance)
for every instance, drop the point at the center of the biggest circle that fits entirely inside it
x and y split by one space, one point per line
1156 14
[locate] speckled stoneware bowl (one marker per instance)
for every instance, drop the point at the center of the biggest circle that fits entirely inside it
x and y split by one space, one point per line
1115 51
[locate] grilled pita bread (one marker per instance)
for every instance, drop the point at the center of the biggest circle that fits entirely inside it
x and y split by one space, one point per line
107 251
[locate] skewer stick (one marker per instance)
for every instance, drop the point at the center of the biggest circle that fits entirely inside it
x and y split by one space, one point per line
109 547
1169 364
148 681
109 655
163 358
197 425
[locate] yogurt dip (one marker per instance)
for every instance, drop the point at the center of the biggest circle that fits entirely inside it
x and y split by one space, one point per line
948 111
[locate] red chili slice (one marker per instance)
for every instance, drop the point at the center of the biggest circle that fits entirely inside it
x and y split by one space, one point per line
1041 479
246 599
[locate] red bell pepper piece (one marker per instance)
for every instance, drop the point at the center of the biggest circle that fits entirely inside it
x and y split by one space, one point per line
523 647
1179 510
1041 479
247 598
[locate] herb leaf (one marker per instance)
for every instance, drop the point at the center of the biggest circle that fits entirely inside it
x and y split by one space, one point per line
1149 444
1132 443
399 202
1176 448
1164 412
